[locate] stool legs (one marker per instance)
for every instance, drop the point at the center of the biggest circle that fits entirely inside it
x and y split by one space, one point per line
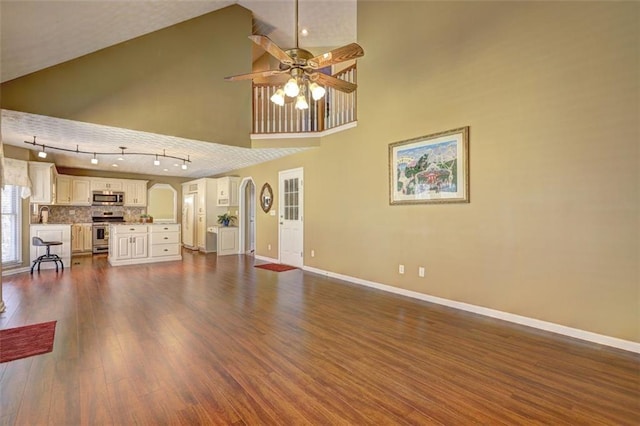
47 257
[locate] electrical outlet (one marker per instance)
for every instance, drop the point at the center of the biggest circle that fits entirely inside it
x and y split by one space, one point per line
313 253
401 269
269 247
421 271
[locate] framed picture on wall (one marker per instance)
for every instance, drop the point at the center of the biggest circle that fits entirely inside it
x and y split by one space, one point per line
430 169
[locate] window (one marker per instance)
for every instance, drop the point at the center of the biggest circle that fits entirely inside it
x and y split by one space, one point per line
11 225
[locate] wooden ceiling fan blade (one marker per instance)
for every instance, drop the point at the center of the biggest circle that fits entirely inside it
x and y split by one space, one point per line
341 54
336 83
252 75
268 45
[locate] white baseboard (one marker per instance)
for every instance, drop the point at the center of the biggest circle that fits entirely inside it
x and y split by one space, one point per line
14 271
506 316
266 259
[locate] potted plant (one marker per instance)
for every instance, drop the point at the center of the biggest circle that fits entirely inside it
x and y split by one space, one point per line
145 218
226 219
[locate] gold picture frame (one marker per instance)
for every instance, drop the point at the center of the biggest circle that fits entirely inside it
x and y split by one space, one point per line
430 169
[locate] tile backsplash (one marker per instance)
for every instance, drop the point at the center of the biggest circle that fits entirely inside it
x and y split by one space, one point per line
82 214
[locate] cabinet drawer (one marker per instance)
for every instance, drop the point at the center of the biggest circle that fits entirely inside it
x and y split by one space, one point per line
129 229
158 250
164 228
165 238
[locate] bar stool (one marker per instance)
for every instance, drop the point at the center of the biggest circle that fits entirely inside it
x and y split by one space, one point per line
47 257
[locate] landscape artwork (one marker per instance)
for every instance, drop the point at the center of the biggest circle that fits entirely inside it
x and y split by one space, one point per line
430 169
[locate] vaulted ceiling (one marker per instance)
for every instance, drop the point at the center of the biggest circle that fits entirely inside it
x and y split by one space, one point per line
44 42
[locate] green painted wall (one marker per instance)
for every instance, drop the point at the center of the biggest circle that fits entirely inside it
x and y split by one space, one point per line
169 82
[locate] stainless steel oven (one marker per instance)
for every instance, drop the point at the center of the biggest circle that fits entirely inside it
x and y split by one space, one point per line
100 232
100 238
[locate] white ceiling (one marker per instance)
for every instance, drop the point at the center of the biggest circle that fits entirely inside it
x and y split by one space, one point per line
37 34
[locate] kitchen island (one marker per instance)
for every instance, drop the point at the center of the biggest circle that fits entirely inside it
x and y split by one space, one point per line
135 243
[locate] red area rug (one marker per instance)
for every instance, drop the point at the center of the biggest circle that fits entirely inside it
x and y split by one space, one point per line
276 267
22 342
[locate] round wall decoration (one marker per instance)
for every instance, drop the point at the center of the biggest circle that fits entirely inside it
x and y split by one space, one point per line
266 197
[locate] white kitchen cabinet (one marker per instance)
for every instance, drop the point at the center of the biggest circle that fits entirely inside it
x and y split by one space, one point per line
227 193
81 238
60 233
227 239
134 244
199 211
42 176
201 232
127 242
101 184
63 190
164 241
80 192
135 193
73 191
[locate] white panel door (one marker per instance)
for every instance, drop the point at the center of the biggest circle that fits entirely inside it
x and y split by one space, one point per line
290 201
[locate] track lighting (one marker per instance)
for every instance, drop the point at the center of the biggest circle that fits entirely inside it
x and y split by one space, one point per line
121 154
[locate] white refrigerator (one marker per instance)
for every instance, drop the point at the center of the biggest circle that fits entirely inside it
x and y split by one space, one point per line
189 221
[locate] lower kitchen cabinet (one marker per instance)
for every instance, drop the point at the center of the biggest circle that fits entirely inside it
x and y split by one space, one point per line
133 244
51 232
164 241
81 238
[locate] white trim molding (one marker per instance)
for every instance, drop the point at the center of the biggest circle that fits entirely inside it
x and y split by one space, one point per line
266 259
13 271
601 339
259 136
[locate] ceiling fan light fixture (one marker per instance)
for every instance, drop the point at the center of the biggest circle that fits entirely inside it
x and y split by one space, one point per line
278 97
301 103
292 89
317 91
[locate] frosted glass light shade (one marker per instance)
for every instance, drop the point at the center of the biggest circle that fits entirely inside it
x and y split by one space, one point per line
278 97
301 102
317 91
291 89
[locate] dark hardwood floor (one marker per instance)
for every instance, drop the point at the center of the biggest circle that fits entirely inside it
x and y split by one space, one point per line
216 341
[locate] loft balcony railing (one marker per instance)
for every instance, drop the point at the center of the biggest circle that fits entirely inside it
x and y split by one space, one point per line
335 109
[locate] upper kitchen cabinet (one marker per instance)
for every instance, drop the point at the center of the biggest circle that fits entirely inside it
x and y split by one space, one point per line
106 184
135 193
228 191
71 190
42 182
80 192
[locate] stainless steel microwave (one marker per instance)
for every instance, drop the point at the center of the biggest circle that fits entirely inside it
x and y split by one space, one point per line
107 198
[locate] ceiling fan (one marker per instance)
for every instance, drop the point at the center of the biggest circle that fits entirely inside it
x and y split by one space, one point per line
300 66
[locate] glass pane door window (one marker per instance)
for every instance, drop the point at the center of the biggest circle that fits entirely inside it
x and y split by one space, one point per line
11 225
291 211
